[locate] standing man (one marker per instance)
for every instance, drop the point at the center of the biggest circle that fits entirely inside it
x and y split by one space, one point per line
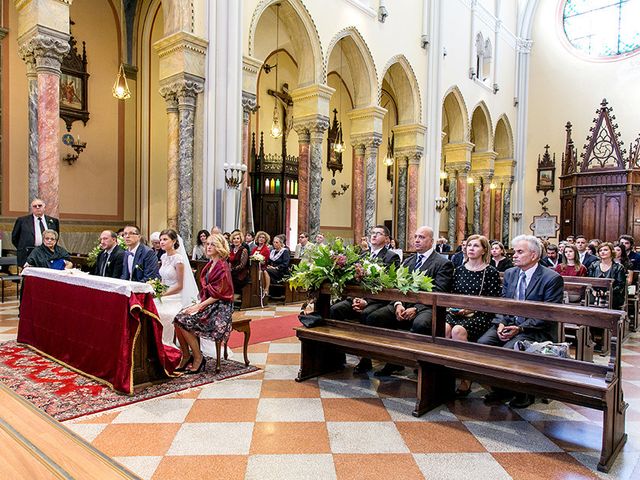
586 258
27 231
140 262
526 281
110 261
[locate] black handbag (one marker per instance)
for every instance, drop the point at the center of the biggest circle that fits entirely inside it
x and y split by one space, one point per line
310 321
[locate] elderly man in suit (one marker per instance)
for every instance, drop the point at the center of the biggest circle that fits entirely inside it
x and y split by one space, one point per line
415 317
140 263
528 280
27 231
110 260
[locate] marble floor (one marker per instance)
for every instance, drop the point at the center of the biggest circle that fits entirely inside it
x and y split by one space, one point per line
266 426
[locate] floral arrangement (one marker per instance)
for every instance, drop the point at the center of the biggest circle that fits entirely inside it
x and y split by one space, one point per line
159 288
92 258
257 257
340 265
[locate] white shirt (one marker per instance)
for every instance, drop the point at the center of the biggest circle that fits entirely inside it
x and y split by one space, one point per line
375 252
425 256
528 275
36 229
130 260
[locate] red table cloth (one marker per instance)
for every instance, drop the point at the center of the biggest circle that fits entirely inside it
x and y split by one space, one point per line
90 330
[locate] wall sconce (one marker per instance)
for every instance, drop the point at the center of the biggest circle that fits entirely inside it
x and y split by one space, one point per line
234 175
344 187
441 202
120 88
516 216
74 143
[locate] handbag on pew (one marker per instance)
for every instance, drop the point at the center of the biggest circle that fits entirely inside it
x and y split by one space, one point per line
310 320
543 348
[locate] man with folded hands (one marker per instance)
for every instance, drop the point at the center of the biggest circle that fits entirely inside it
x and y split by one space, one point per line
528 280
110 260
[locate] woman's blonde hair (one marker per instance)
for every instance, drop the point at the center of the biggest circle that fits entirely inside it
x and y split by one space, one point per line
236 233
220 244
486 256
266 236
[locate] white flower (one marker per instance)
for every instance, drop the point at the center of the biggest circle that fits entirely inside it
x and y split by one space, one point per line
257 257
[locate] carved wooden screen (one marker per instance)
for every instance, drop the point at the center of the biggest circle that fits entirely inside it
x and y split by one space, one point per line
598 193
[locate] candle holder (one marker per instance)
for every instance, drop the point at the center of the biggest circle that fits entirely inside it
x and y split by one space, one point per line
234 175
78 147
441 202
516 216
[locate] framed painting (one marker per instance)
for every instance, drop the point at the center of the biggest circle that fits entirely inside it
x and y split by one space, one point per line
74 82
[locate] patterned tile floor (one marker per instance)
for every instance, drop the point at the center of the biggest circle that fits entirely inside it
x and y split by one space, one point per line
266 426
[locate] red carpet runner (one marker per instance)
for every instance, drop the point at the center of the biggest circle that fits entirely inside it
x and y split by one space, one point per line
266 329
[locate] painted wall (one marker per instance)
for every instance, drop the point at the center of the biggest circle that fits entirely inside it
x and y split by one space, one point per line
564 87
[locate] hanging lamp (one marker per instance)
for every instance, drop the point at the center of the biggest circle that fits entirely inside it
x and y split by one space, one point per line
276 128
120 88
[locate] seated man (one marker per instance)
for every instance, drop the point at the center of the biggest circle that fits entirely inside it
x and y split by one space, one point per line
110 261
140 262
528 280
360 308
415 317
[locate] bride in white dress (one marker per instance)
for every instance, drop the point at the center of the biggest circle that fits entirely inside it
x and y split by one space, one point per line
176 274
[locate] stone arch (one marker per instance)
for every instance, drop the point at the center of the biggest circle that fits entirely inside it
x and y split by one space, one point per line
455 116
481 128
503 138
400 76
303 35
359 59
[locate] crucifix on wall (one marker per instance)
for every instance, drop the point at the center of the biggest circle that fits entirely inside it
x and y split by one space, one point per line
286 100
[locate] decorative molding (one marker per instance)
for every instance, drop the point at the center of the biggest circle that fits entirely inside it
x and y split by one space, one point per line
363 8
366 140
401 60
182 89
180 41
48 50
524 45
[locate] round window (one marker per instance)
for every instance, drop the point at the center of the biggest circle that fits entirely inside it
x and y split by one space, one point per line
602 28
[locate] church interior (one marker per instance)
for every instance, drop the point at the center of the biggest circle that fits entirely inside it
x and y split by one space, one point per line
331 117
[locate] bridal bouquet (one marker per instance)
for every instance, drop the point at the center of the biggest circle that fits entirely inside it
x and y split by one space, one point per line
257 257
159 288
340 265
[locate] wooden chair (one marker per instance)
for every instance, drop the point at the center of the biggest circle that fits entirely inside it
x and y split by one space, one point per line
9 277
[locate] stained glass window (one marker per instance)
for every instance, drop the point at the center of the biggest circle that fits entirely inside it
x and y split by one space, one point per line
602 28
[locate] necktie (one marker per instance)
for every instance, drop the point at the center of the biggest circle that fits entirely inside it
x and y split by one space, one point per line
104 265
419 262
522 286
42 226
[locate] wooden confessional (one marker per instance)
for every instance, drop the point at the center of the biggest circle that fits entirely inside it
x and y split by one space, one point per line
600 190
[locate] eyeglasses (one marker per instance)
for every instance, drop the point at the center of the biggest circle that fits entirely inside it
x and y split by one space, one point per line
373 234
129 234
39 205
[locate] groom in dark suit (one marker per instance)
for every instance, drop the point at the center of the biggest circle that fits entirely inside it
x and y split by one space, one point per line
140 262
27 231
526 281
111 259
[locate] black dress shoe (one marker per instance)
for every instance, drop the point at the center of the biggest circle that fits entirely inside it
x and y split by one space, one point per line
364 365
184 367
522 401
388 369
497 397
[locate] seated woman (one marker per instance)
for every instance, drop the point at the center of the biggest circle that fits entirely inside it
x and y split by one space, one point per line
49 254
198 252
278 265
570 265
176 274
211 316
498 259
622 258
607 268
239 261
262 240
475 277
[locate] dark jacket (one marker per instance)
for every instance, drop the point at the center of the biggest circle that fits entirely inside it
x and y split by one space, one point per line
145 265
439 268
23 235
545 286
388 257
503 265
443 248
280 266
457 259
114 265
619 276
588 260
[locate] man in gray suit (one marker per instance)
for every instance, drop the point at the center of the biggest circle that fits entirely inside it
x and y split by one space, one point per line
415 316
526 281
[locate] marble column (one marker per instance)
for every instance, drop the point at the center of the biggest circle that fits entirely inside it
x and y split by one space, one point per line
48 51
506 213
452 205
358 192
303 177
497 213
461 209
316 136
187 92
486 209
402 202
370 196
477 192
172 157
32 82
412 199
249 105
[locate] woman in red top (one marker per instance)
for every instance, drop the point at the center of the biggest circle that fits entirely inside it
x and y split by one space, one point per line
262 247
571 266
211 317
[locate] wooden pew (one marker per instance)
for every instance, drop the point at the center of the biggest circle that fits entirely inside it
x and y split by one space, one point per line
440 361
250 294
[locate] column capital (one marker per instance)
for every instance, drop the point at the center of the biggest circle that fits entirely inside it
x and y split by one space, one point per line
367 121
461 168
249 105
184 87
311 100
366 139
181 53
413 153
313 125
523 45
250 70
44 48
